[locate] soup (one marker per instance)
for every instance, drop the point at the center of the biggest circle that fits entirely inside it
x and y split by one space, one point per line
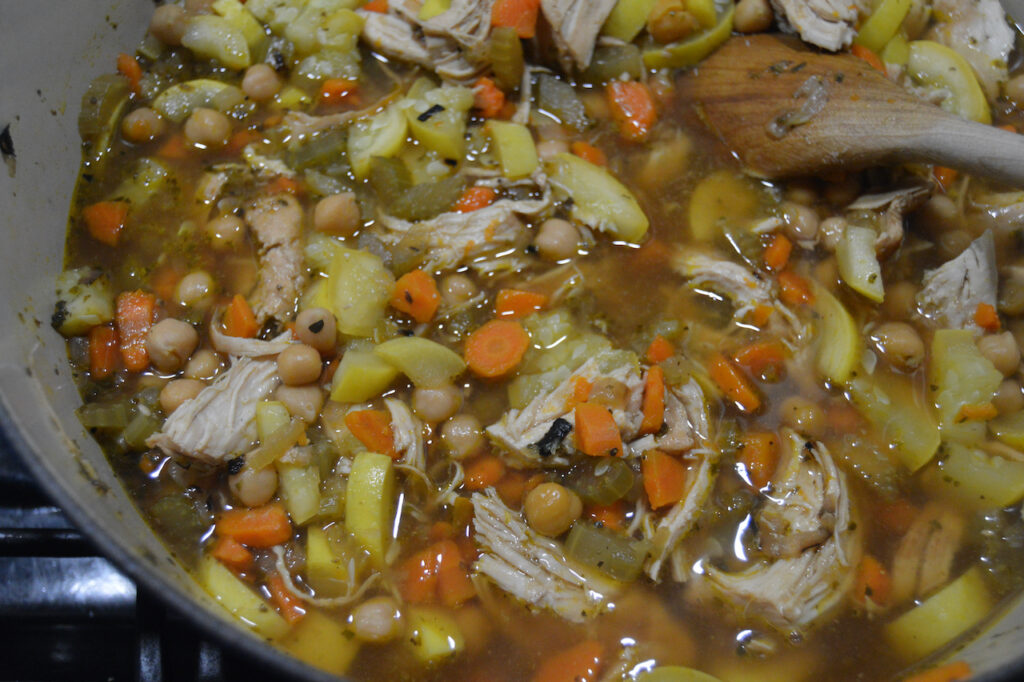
441 341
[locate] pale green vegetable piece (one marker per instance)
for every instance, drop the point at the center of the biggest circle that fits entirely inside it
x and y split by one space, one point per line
858 264
242 19
514 147
433 635
320 250
838 345
961 376
703 11
213 37
882 25
236 597
432 8
379 135
427 363
271 415
722 199
599 200
627 19
896 51
690 51
981 480
178 101
299 488
890 404
148 178
358 289
675 673
1009 429
437 118
324 24
936 66
941 618
275 445
361 375
277 14
330 63
84 300
323 641
326 567
370 502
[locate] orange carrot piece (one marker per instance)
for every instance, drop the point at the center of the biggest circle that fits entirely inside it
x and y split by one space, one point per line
380 6
611 516
475 198
872 582
103 352
174 148
417 580
588 152
794 289
945 176
416 295
597 434
980 412
760 355
653 401
581 388
240 140
283 185
239 320
165 279
105 220
733 383
776 254
134 318
488 98
335 91
664 478
264 526
232 553
516 303
761 314
869 56
632 108
483 472
496 348
454 586
660 350
373 429
512 487
986 317
518 14
1008 127
958 670
580 663
759 456
129 67
291 608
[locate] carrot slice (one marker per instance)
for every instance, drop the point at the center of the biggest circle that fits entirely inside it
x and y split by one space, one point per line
264 526
759 356
518 14
373 429
239 320
240 140
958 670
129 67
794 289
632 108
945 176
588 152
105 220
134 318
872 583
733 383
611 516
597 434
496 348
475 198
103 352
759 456
516 303
664 478
653 401
291 608
986 317
483 472
660 350
418 576
339 91
174 148
580 663
380 6
454 586
776 254
979 412
416 295
869 56
488 98
232 553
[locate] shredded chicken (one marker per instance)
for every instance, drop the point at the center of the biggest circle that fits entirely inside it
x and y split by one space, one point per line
408 433
897 204
830 24
466 22
434 44
722 276
951 293
276 222
575 26
532 567
250 348
924 558
979 32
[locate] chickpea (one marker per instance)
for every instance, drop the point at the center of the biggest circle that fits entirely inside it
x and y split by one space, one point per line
1011 291
377 620
1014 90
142 125
557 239
457 289
464 435
338 214
168 24
260 82
1009 398
317 327
752 16
253 488
194 288
801 221
225 231
204 364
547 149
831 230
434 405
304 402
551 508
827 272
208 128
843 191
1002 351
802 192
199 6
669 21
900 299
169 344
939 212
899 344
177 391
952 243
803 416
299 364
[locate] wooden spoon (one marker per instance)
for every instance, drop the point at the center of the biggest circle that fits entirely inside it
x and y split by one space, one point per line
750 85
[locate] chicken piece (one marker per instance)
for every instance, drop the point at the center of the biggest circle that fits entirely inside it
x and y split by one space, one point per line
575 26
250 348
951 293
896 204
399 37
979 32
532 567
466 22
277 224
830 24
924 558
408 434
220 422
744 288
793 593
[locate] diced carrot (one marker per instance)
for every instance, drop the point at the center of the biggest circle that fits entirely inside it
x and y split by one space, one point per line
373 429
453 584
334 91
1008 127
776 254
488 98
759 456
653 401
512 487
760 355
134 318
660 350
869 56
872 582
174 148
105 220
516 303
380 6
240 140
986 317
418 576
581 388
496 348
794 289
896 515
103 352
129 67
239 320
165 280
945 176
979 412
291 608
260 527
518 14
632 108
483 472
597 434
232 553
588 152
958 670
664 478
416 295
580 663
733 383
475 198
761 314
282 184
436 574
611 516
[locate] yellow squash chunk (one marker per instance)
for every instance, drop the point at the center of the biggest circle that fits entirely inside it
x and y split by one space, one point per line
236 597
178 101
1009 429
962 376
514 147
858 264
675 673
936 66
599 200
213 37
326 568
370 502
271 415
981 480
722 198
432 8
896 51
437 118
890 404
690 51
361 375
380 135
427 363
882 25
433 635
838 345
627 19
359 286
322 641
299 488
242 19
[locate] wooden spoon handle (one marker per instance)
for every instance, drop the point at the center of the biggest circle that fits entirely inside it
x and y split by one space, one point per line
974 148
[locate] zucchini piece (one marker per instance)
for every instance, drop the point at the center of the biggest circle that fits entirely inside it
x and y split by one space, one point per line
103 105
329 63
627 19
361 375
938 67
84 300
322 641
513 144
961 376
437 118
858 264
433 635
379 135
148 177
326 569
599 200
324 24
242 19
177 102
370 502
1009 429
213 37
358 288
271 416
896 51
299 488
979 479
838 342
882 25
610 552
690 51
890 404
721 199
236 597
427 363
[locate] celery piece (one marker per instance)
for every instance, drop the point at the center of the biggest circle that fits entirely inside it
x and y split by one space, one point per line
213 37
327 570
942 617
84 300
690 51
889 402
299 488
614 554
936 66
858 264
107 416
141 427
896 51
433 635
334 62
514 146
881 26
428 199
838 345
324 641
722 198
177 102
242 19
432 8
427 363
674 673
437 118
236 597
380 135
360 376
148 177
961 376
359 286
324 24
627 19
612 61
291 97
979 479
506 55
271 416
599 200
558 98
1009 429
526 387
369 502
601 480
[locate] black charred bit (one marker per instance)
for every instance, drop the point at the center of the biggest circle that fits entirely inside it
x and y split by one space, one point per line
426 115
560 428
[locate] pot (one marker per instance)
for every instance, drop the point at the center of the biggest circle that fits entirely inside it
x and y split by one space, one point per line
49 52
